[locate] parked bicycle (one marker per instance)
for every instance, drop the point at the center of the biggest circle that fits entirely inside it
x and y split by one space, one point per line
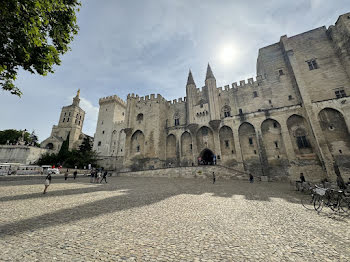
336 200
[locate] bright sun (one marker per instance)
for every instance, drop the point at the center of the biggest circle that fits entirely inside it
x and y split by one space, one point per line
227 54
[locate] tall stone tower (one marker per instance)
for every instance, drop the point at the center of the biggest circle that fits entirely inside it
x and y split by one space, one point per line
109 138
70 122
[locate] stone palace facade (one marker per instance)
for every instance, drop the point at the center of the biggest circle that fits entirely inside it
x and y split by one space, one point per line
293 117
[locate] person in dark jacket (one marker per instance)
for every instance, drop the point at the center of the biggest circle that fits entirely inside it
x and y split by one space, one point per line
104 177
75 174
251 178
214 178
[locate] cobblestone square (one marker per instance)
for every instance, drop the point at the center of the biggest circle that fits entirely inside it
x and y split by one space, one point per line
163 219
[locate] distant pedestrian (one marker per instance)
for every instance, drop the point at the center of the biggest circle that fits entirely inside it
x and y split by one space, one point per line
95 176
251 178
75 174
299 184
214 178
98 177
66 175
104 177
92 176
47 182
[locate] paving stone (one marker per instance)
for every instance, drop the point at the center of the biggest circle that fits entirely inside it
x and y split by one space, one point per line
165 219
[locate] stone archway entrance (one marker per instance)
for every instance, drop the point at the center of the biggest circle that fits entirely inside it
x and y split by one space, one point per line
206 157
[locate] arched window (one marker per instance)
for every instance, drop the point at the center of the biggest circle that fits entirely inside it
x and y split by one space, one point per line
139 118
302 141
226 111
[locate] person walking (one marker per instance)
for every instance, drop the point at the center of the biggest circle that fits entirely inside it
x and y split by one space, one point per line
75 174
92 176
99 176
214 178
299 184
95 176
251 178
47 182
104 177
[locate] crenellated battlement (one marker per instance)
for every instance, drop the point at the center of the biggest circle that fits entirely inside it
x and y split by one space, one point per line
113 98
243 83
177 101
147 98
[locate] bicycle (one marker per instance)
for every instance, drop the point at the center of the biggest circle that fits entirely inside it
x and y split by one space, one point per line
309 198
336 200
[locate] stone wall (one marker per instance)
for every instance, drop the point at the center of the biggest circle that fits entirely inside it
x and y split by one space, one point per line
21 154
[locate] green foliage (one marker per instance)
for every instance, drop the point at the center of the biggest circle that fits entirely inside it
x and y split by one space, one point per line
13 136
64 150
85 145
48 159
66 158
33 34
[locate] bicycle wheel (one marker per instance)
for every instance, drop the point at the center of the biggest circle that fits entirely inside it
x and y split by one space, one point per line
318 203
308 201
344 205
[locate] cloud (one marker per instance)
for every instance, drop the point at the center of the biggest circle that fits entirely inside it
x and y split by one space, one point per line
146 47
91 115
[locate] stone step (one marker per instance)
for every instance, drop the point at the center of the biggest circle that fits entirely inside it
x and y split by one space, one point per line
189 172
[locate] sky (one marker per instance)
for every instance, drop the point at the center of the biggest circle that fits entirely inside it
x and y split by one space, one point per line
148 47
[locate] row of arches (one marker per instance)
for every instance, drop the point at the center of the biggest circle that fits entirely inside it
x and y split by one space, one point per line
272 141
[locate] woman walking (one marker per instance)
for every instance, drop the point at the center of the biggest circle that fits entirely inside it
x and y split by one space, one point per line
47 182
66 175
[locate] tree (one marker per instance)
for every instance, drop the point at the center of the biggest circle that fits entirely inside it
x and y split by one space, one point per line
34 138
64 150
85 145
13 136
33 34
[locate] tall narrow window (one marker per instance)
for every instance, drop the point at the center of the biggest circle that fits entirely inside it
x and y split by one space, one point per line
177 121
250 141
63 119
302 142
227 144
227 111
137 148
276 144
99 143
255 94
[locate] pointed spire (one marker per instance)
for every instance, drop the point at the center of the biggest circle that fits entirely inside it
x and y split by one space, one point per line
190 80
78 93
209 73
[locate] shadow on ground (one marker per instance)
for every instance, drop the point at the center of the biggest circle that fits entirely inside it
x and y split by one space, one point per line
137 192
